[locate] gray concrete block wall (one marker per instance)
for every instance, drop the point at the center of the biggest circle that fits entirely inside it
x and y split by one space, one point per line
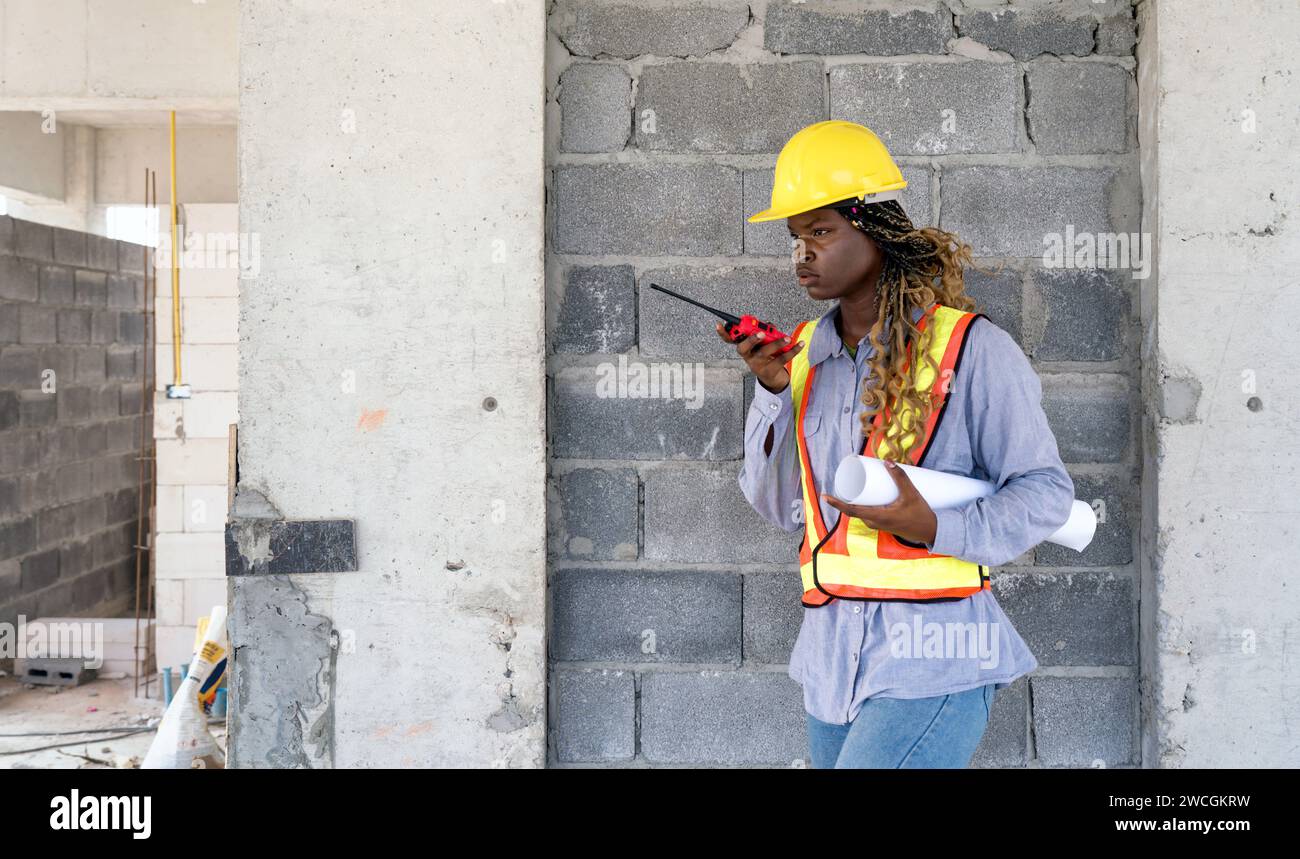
71 363
674 606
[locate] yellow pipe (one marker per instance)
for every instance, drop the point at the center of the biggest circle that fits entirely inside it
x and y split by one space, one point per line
176 273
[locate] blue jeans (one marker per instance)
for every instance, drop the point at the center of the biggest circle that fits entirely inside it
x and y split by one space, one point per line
905 733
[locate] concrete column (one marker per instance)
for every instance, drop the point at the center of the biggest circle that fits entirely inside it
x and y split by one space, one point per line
1219 136
392 374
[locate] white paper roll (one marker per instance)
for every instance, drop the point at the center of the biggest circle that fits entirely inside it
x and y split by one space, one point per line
864 480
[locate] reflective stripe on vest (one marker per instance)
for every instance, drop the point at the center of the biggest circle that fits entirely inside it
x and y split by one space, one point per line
853 560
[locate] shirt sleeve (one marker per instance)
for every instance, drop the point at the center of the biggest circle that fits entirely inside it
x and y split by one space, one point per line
770 482
1013 444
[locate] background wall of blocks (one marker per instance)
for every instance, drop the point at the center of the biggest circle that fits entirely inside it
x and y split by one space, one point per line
674 607
71 360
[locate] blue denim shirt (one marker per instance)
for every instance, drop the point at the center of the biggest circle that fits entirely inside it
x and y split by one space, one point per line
994 429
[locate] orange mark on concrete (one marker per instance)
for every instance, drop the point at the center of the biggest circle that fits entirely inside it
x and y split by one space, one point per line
419 728
371 420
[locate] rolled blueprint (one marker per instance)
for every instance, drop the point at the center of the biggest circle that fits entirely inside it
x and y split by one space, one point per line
864 480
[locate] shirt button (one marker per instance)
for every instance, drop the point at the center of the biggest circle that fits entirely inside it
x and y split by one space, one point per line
855 657
846 410
857 609
775 405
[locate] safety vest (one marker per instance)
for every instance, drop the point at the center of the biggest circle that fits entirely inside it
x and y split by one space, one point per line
853 560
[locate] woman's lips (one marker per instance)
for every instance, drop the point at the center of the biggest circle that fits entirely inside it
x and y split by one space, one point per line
807 277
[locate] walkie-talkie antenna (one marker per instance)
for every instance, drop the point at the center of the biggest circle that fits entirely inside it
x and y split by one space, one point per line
725 317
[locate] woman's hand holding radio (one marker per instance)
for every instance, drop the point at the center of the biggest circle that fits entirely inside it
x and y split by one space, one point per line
765 360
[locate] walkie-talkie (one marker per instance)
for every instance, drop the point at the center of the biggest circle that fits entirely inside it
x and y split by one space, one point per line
738 328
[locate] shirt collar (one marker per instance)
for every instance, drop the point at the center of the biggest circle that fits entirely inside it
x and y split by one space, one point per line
826 341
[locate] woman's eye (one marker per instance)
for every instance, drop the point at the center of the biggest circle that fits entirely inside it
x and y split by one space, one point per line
820 230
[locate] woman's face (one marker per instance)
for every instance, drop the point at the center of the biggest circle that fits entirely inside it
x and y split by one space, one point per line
832 258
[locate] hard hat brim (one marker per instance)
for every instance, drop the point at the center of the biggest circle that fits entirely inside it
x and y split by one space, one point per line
775 214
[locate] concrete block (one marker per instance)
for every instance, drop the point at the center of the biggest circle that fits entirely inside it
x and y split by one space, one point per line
168 417
205 508
209 414
90 359
1089 416
195 460
1114 498
101 253
595 716
20 366
202 594
130 327
693 514
1117 35
793 27
169 507
1007 211
595 108
49 671
1000 297
91 288
187 556
37 409
595 417
17 538
1080 721
169 602
69 247
122 363
772 616
932 108
37 324
174 647
1078 108
604 615
1004 741
33 241
1087 314
103 326
1072 618
719 107
596 515
130 400
40 570
18 279
675 329
598 310
56 285
679 209
92 440
127 291
203 320
1026 32
74 326
628 30
723 717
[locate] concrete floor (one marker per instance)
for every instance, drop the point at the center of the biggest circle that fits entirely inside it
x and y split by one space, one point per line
101 703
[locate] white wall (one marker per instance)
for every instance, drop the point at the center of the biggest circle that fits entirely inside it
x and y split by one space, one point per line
391 164
1220 618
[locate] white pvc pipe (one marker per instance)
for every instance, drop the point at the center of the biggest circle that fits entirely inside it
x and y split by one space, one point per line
864 480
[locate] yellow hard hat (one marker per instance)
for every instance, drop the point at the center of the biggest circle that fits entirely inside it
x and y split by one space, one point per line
829 162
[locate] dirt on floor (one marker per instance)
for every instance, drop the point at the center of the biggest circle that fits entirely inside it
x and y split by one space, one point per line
47 712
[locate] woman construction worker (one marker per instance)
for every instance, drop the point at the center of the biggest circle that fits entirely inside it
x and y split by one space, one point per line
903 644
